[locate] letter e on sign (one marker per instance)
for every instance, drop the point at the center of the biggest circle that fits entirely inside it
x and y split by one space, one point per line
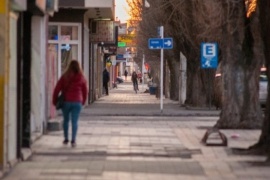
209 50
209 55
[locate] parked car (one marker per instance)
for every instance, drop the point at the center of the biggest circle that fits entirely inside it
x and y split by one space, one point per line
263 88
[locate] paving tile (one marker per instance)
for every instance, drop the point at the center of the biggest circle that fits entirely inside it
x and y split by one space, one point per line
137 142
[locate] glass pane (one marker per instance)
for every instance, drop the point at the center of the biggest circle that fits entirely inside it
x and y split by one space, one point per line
53 34
69 33
68 53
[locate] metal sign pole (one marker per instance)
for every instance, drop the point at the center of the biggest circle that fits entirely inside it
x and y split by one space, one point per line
161 70
161 43
143 72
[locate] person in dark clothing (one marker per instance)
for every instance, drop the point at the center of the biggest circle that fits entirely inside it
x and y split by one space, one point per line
126 73
106 79
134 78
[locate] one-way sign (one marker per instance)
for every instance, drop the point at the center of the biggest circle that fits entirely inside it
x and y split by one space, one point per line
159 43
167 43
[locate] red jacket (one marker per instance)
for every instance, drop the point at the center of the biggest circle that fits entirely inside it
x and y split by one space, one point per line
74 88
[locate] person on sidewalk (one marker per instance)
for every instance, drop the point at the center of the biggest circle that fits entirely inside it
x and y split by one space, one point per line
106 79
125 73
74 87
134 78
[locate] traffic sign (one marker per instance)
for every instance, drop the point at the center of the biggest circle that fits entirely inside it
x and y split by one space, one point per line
155 43
209 55
159 43
167 43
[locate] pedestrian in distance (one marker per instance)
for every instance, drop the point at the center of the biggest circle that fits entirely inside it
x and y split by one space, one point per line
134 78
106 79
125 73
74 88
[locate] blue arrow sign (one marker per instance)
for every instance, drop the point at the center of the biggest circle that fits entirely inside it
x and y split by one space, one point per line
167 43
159 43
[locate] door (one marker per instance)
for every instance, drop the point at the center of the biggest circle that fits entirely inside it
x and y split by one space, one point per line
64 45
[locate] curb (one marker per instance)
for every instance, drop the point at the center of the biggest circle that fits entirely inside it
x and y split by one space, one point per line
157 115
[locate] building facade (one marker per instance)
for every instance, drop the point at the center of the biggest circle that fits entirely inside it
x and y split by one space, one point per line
81 30
22 76
38 39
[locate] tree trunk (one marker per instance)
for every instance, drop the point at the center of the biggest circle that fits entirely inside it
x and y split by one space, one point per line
240 72
264 18
196 95
174 75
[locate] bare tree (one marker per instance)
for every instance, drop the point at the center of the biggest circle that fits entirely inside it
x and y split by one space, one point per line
263 9
226 22
241 68
191 22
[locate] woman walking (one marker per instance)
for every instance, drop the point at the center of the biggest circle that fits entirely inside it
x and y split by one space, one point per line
73 86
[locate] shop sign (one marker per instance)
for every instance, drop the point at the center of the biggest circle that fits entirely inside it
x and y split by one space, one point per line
127 38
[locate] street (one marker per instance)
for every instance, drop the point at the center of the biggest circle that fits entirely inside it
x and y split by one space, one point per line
124 136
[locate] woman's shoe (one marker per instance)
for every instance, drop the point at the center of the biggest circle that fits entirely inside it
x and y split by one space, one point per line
73 144
65 141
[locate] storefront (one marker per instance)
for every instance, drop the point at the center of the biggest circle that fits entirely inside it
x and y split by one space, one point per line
64 45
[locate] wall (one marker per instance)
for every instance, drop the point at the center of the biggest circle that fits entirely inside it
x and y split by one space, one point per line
12 91
86 61
38 71
4 34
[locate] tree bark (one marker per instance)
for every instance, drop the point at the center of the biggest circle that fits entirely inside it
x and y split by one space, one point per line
174 75
264 19
196 95
240 71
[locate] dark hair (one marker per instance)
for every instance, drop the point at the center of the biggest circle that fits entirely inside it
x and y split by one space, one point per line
73 67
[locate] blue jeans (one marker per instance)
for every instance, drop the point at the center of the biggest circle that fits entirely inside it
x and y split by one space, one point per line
71 109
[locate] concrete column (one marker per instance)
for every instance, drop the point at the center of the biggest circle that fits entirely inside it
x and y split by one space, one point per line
86 54
183 79
38 71
4 71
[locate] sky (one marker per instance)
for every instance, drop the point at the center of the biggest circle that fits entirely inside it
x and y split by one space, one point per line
121 7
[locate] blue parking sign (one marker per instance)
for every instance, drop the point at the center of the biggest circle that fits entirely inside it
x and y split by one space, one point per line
209 55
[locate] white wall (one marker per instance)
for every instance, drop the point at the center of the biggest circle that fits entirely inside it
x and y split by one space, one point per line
86 57
182 79
38 70
12 92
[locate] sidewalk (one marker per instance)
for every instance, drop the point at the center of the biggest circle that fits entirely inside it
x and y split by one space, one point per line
123 101
123 136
